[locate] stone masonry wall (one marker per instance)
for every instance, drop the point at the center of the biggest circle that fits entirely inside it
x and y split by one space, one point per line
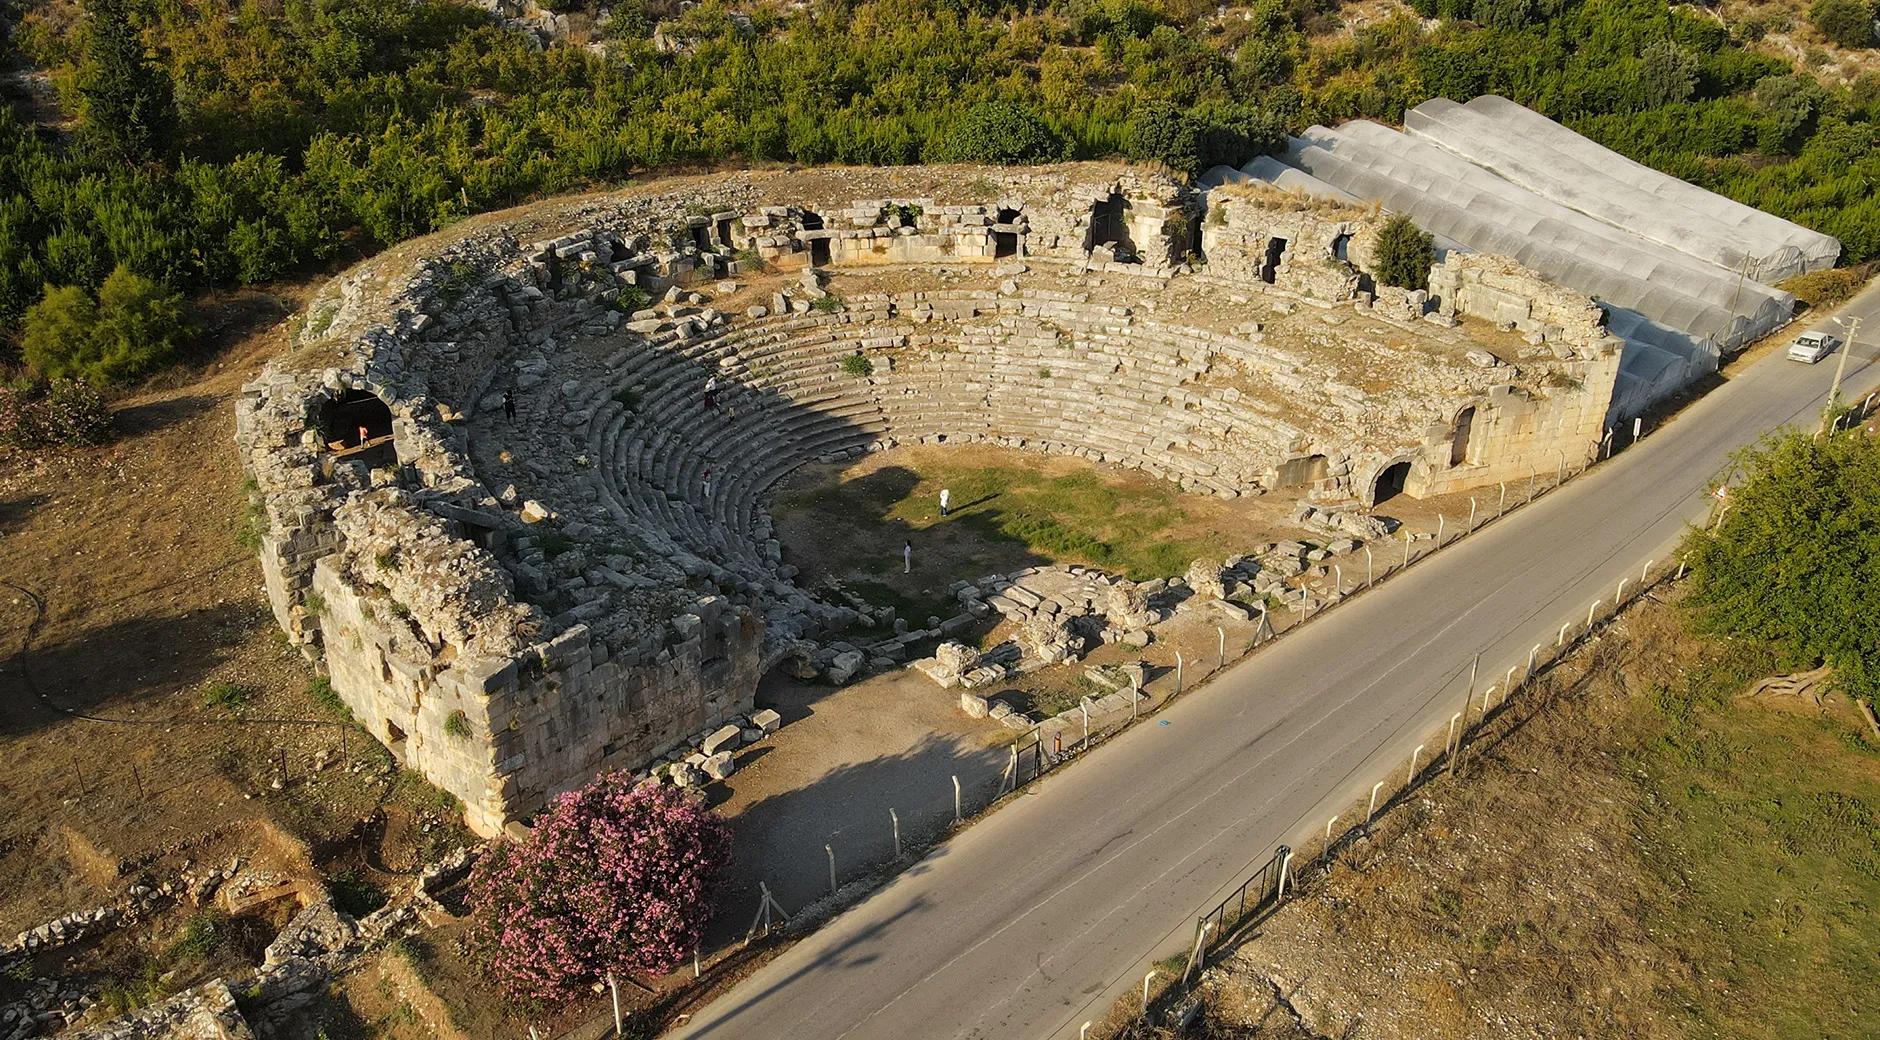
1515 435
510 622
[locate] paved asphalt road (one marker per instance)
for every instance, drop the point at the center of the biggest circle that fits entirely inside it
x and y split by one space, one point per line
1029 923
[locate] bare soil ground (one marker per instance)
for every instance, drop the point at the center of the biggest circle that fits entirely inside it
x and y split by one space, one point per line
1633 851
147 705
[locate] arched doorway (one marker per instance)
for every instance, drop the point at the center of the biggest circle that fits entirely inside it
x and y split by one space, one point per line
1459 439
1390 482
354 418
1306 469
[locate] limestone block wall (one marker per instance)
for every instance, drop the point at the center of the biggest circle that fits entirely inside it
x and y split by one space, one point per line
1258 236
1498 290
506 731
1514 435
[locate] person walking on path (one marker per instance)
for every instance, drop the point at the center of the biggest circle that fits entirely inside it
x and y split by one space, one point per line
944 495
711 392
509 405
708 485
907 558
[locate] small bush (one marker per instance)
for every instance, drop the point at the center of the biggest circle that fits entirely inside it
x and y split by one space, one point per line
201 936
313 603
1004 133
354 894
858 365
1846 22
458 725
554 543
1163 133
627 398
225 695
631 298
1830 287
134 326
1404 253
61 412
827 304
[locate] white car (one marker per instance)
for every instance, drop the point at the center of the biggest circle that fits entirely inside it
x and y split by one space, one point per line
1810 347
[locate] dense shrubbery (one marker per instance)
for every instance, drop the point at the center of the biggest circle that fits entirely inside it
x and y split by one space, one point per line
612 879
1846 22
314 125
1793 560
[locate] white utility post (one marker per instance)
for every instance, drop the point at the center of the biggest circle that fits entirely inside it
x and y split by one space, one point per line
614 987
1367 566
1471 526
956 800
1371 809
1222 632
1590 611
894 820
1562 641
1135 699
1418 750
1145 990
1852 325
1178 672
831 850
1441 522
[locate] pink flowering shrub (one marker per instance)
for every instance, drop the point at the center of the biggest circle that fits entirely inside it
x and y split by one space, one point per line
613 879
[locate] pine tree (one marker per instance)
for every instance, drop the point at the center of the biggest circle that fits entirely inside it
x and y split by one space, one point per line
130 105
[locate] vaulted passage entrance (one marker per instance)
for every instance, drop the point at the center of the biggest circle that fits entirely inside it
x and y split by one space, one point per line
355 418
1390 482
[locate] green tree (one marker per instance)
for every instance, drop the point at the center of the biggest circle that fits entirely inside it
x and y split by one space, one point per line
1667 74
1002 132
130 105
1792 561
1404 253
1846 22
133 326
1165 134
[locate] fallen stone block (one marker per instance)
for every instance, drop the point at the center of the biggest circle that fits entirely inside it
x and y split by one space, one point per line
726 738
